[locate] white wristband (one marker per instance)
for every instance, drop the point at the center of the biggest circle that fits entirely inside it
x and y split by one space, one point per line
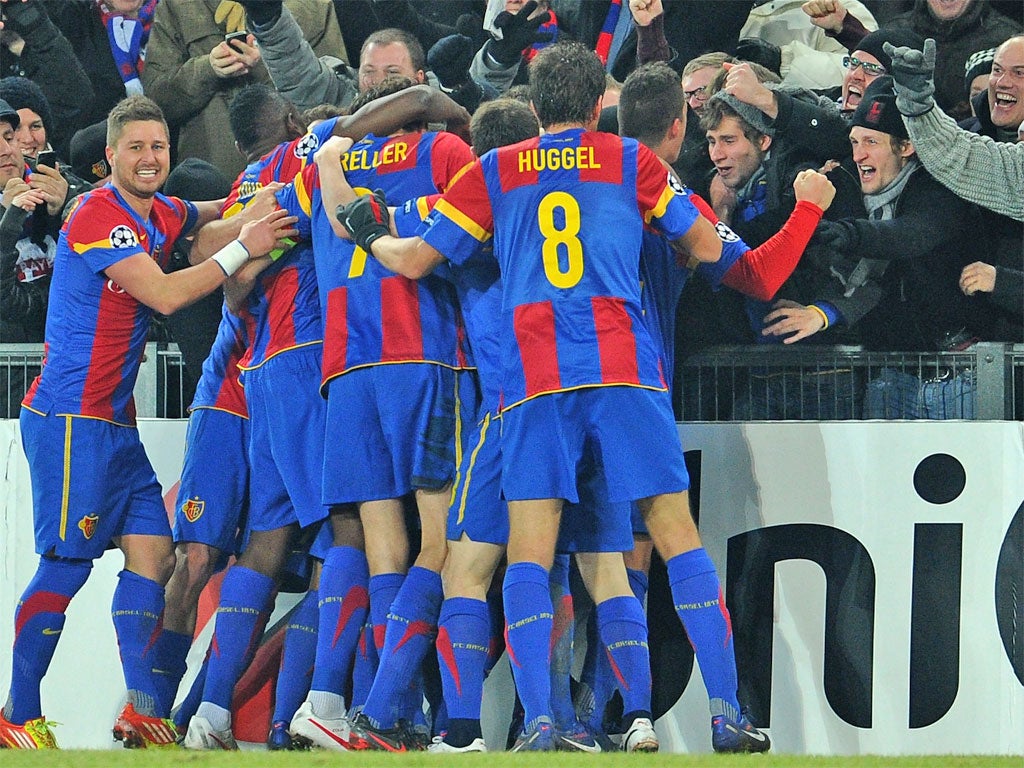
231 257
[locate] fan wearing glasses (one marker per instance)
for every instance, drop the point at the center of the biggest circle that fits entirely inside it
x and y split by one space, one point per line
868 62
814 125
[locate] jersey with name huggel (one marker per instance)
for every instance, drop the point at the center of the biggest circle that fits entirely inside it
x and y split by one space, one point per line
567 237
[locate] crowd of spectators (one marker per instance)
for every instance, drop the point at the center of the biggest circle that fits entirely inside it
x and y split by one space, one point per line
772 89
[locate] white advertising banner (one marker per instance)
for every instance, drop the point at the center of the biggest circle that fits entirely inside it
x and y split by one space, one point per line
873 572
84 689
861 568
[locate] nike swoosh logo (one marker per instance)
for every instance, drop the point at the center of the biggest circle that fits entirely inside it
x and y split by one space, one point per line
755 735
387 745
332 734
48 631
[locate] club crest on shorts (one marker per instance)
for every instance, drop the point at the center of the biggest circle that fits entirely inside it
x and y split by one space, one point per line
192 509
123 237
88 525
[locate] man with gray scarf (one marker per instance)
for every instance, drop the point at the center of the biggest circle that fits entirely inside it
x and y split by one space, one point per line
895 273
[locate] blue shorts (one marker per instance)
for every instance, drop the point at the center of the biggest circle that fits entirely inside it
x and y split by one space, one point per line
390 430
91 482
594 524
286 447
477 509
630 433
213 496
320 545
637 521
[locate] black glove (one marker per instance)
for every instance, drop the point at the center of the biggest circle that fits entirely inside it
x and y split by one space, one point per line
835 236
366 219
262 13
450 57
913 73
759 51
518 32
23 18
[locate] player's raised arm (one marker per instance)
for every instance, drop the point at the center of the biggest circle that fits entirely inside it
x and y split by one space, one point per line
335 190
219 232
368 221
142 278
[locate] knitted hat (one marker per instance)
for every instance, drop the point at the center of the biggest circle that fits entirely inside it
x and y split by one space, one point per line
87 150
22 93
872 43
751 115
877 110
9 114
978 63
195 179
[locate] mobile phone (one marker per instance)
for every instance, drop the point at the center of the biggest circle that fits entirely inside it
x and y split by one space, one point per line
239 36
47 157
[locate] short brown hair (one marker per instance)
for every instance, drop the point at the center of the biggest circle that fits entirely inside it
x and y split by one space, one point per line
131 109
390 35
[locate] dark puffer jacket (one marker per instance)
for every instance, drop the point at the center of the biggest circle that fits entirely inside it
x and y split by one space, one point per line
979 27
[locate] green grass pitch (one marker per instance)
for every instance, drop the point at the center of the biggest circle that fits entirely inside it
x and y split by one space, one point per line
178 758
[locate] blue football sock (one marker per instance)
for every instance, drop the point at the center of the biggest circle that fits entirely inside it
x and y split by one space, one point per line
597 670
297 658
344 603
364 667
169 662
193 698
411 702
563 625
38 622
697 596
528 621
623 631
244 599
439 712
411 629
383 590
463 638
137 610
638 582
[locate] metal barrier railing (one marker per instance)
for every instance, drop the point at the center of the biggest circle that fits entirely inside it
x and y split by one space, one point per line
984 382
814 383
160 390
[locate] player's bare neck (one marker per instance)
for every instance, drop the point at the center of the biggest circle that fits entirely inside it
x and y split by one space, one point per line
559 127
142 205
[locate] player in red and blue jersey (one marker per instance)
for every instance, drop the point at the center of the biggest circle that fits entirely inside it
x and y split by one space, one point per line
652 109
581 369
211 506
477 529
286 432
92 483
390 360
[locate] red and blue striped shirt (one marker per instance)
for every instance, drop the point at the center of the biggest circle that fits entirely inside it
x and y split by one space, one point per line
95 331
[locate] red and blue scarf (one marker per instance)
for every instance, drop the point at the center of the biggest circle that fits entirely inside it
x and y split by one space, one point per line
604 39
128 37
